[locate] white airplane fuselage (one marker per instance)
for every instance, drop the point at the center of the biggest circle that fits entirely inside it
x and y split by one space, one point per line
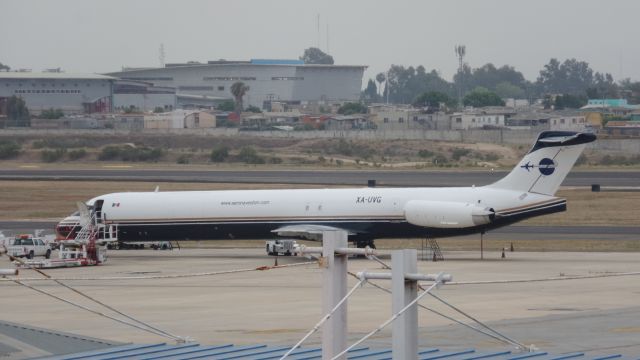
368 212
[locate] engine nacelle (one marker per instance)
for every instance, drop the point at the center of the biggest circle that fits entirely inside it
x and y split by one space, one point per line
447 214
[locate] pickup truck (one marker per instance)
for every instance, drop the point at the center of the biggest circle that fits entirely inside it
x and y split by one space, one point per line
29 247
285 247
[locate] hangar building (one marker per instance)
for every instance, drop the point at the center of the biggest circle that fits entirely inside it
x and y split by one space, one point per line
72 93
290 81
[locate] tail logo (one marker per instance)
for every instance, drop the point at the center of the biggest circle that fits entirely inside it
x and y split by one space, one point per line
547 166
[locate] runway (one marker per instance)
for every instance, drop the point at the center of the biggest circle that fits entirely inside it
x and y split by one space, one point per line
428 178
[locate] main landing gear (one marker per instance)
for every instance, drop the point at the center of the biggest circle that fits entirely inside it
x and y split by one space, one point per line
364 242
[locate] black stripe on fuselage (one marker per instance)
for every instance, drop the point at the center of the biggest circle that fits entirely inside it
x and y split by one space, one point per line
378 229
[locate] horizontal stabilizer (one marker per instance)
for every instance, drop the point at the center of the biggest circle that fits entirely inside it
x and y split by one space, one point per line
307 231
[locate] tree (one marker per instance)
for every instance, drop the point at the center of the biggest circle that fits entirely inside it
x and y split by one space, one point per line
630 90
238 89
52 114
370 93
568 101
253 109
507 90
158 109
405 84
4 67
380 78
575 78
481 97
434 99
17 112
351 108
314 55
226 105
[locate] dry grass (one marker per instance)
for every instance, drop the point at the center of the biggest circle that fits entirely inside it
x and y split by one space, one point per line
37 200
594 208
55 199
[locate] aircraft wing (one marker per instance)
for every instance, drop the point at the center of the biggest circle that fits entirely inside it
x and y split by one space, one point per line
307 231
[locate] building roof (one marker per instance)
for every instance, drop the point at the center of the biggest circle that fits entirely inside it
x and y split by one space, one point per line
254 62
230 351
52 76
19 341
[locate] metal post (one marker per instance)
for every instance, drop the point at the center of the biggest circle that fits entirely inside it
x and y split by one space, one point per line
334 331
405 328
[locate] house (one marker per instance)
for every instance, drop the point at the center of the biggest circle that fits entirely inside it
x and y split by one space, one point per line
568 120
349 122
398 117
180 119
477 119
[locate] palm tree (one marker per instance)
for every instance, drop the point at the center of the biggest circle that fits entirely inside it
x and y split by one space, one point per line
380 78
238 90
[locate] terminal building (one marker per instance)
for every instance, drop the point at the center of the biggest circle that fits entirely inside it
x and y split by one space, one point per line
285 81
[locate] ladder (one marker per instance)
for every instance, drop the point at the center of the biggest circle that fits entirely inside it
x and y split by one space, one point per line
431 250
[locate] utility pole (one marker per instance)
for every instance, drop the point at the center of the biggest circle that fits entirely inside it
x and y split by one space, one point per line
461 51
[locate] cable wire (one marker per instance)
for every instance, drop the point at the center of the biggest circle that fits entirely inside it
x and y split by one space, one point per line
324 318
176 338
389 321
157 330
174 276
441 314
505 338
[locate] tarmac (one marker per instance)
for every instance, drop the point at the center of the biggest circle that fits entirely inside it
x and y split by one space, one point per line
599 315
428 178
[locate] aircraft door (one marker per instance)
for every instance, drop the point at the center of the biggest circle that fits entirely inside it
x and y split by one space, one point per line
98 211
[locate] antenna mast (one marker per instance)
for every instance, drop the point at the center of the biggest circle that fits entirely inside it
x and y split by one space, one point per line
461 51
161 55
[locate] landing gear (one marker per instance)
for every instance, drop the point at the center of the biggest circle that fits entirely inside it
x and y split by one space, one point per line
363 243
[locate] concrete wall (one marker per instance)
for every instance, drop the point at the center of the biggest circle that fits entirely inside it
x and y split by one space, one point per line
524 137
145 102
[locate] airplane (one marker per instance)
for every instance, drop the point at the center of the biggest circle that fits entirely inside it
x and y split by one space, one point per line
365 213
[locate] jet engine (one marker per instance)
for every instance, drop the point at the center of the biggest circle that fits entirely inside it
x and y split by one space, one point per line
447 214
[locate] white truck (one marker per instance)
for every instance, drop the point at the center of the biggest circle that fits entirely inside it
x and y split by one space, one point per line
28 246
286 247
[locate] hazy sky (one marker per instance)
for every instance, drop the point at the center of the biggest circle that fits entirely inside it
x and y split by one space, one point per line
103 36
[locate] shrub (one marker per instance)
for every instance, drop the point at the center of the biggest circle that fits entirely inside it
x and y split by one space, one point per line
274 160
219 154
109 153
183 159
127 153
250 156
425 153
52 155
491 157
9 149
459 152
440 160
77 154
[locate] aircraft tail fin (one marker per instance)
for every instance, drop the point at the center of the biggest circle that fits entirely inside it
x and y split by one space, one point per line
548 162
